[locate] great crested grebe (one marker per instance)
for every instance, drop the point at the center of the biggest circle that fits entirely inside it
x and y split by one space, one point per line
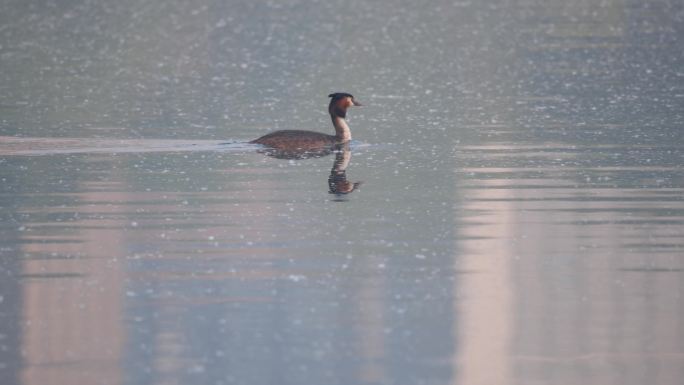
291 140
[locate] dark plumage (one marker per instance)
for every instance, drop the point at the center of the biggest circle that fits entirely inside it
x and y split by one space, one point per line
296 139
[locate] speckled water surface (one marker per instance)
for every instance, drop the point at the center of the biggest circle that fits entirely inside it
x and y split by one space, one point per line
519 217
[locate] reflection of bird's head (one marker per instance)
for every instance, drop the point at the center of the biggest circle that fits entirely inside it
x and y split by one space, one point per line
343 186
340 102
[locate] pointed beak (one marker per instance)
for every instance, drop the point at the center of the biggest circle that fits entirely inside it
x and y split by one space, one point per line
357 103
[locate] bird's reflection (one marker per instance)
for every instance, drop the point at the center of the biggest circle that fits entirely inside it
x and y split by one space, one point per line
338 183
298 153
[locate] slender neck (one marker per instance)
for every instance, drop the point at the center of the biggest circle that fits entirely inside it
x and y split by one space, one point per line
342 131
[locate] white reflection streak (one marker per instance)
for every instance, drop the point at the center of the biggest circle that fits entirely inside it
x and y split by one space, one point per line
484 305
370 331
72 306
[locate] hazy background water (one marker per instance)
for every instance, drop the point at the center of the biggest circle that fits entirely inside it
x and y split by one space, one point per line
520 219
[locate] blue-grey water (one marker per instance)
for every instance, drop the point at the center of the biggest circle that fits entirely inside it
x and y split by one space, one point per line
520 217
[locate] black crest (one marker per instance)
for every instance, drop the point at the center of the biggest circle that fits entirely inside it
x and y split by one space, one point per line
338 95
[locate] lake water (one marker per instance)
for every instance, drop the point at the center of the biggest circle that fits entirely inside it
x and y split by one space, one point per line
519 217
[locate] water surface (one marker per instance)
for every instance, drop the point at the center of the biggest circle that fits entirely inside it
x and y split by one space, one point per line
519 219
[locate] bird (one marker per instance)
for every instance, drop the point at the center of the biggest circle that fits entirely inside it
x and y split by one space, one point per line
302 141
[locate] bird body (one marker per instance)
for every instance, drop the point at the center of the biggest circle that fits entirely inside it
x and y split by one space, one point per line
296 139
